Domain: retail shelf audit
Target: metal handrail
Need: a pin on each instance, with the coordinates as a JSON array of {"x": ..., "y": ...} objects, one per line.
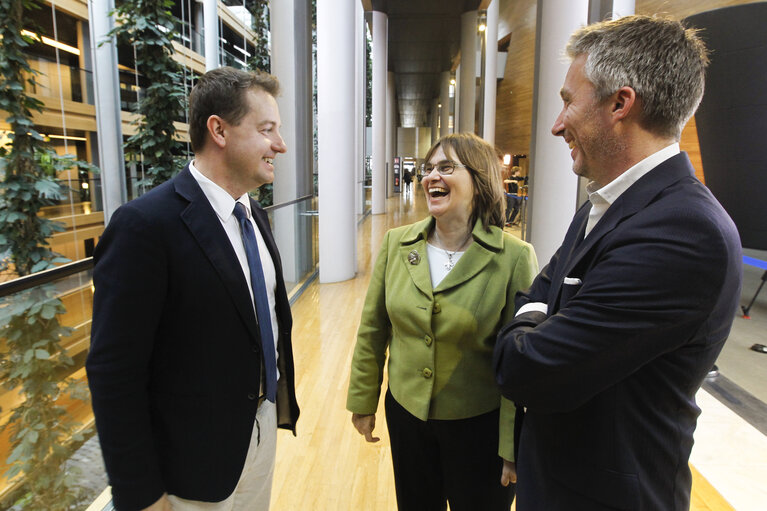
[
  {"x": 44, "y": 277},
  {"x": 288, "y": 203}
]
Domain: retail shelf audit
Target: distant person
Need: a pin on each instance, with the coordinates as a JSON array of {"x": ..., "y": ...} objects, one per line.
[
  {"x": 513, "y": 199},
  {"x": 407, "y": 178},
  {"x": 440, "y": 291},
  {"x": 617, "y": 333},
  {"x": 191, "y": 368}
]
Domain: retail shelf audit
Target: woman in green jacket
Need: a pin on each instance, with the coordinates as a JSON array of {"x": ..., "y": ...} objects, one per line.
[{"x": 440, "y": 291}]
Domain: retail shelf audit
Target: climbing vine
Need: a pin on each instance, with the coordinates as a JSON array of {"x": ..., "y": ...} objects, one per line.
[{"x": 147, "y": 26}]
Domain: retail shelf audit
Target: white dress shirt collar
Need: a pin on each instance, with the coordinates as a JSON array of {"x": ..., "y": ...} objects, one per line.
[
  {"x": 222, "y": 202},
  {"x": 602, "y": 198}
]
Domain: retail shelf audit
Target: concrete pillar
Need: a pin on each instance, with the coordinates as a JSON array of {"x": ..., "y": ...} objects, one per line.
[
  {"x": 435, "y": 114},
  {"x": 107, "y": 95},
  {"x": 210, "y": 19},
  {"x": 391, "y": 131},
  {"x": 290, "y": 25},
  {"x": 359, "y": 109},
  {"x": 336, "y": 126},
  {"x": 468, "y": 75},
  {"x": 444, "y": 99},
  {"x": 490, "y": 80},
  {"x": 553, "y": 185},
  {"x": 602, "y": 9},
  {"x": 379, "y": 80}
]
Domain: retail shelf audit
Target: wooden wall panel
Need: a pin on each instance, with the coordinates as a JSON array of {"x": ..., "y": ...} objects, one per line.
[{"x": 514, "y": 103}]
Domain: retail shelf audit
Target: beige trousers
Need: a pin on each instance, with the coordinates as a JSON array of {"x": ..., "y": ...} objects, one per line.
[{"x": 254, "y": 489}]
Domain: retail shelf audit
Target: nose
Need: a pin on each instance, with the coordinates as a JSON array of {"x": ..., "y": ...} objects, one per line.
[
  {"x": 558, "y": 129},
  {"x": 425, "y": 174},
  {"x": 278, "y": 144}
]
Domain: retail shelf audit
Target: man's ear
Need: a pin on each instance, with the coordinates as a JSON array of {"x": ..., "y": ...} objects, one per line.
[
  {"x": 216, "y": 128},
  {"x": 623, "y": 103}
]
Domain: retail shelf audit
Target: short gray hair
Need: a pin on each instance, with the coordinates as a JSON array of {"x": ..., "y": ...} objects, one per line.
[{"x": 662, "y": 60}]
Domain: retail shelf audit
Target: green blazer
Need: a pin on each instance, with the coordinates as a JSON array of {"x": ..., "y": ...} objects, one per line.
[{"x": 440, "y": 340}]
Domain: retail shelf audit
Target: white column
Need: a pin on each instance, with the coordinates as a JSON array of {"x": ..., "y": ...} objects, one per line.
[
  {"x": 444, "y": 99},
  {"x": 107, "y": 96},
  {"x": 379, "y": 80},
  {"x": 456, "y": 106},
  {"x": 553, "y": 185},
  {"x": 336, "y": 125},
  {"x": 623, "y": 8},
  {"x": 491, "y": 66},
  {"x": 210, "y": 17},
  {"x": 290, "y": 26},
  {"x": 391, "y": 132},
  {"x": 600, "y": 10},
  {"x": 468, "y": 76},
  {"x": 435, "y": 114},
  {"x": 359, "y": 102}
]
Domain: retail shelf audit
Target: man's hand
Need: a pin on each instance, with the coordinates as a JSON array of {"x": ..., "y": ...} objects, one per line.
[
  {"x": 509, "y": 473},
  {"x": 163, "y": 504},
  {"x": 365, "y": 424}
]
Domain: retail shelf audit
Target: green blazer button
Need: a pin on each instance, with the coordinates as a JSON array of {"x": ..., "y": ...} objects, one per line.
[{"x": 427, "y": 373}]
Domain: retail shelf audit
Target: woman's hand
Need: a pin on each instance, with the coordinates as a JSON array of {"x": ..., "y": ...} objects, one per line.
[
  {"x": 365, "y": 424},
  {"x": 509, "y": 473}
]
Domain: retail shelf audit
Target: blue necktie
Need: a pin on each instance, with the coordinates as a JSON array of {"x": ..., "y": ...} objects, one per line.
[{"x": 260, "y": 298}]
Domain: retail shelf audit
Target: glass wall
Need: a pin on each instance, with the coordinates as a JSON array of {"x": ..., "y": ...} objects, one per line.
[{"x": 65, "y": 295}]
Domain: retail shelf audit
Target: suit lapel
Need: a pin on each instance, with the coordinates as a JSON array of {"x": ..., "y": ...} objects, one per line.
[
  {"x": 262, "y": 221},
  {"x": 204, "y": 225},
  {"x": 637, "y": 197},
  {"x": 477, "y": 256}
]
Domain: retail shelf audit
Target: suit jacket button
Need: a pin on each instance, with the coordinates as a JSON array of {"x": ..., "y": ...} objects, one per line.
[
  {"x": 252, "y": 396},
  {"x": 427, "y": 373},
  {"x": 255, "y": 349},
  {"x": 427, "y": 340},
  {"x": 437, "y": 309}
]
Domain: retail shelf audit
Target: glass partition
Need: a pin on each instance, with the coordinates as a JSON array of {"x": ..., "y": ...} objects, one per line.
[{"x": 63, "y": 297}]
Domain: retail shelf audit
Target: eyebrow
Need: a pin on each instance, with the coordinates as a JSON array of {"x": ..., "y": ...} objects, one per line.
[{"x": 564, "y": 94}]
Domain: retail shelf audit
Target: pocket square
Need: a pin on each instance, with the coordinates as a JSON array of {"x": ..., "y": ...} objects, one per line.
[{"x": 573, "y": 281}]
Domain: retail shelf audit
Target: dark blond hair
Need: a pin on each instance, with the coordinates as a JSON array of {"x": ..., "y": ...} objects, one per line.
[
  {"x": 223, "y": 92},
  {"x": 484, "y": 167}
]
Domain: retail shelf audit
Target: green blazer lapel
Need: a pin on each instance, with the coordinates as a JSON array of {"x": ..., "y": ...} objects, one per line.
[
  {"x": 479, "y": 254},
  {"x": 412, "y": 254}
]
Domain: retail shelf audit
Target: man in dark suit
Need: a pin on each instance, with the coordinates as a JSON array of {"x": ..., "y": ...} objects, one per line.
[
  {"x": 186, "y": 404},
  {"x": 617, "y": 333}
]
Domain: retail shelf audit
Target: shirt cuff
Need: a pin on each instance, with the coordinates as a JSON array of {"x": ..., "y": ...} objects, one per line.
[{"x": 533, "y": 307}]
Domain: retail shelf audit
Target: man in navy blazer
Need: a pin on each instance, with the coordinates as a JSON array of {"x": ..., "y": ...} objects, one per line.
[
  {"x": 617, "y": 333},
  {"x": 176, "y": 360}
]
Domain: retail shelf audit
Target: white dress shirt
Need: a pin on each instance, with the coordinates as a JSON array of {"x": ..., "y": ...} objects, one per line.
[
  {"x": 223, "y": 205},
  {"x": 602, "y": 198}
]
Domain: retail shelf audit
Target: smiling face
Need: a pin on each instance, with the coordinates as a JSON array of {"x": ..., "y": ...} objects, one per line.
[
  {"x": 449, "y": 198},
  {"x": 584, "y": 124},
  {"x": 252, "y": 144}
]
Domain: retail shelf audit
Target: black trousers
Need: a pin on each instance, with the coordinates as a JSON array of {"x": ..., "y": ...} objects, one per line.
[{"x": 446, "y": 460}]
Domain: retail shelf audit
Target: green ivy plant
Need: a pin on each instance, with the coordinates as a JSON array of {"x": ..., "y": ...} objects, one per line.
[
  {"x": 147, "y": 25},
  {"x": 259, "y": 10},
  {"x": 32, "y": 360}
]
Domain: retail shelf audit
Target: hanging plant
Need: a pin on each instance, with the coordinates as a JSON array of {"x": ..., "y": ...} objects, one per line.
[
  {"x": 259, "y": 11},
  {"x": 33, "y": 361},
  {"x": 147, "y": 26}
]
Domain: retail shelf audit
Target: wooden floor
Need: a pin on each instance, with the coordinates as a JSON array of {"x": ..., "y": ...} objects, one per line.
[{"x": 328, "y": 466}]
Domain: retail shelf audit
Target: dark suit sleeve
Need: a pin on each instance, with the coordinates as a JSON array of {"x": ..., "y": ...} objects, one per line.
[
  {"x": 646, "y": 294},
  {"x": 539, "y": 290},
  {"x": 130, "y": 288}
]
